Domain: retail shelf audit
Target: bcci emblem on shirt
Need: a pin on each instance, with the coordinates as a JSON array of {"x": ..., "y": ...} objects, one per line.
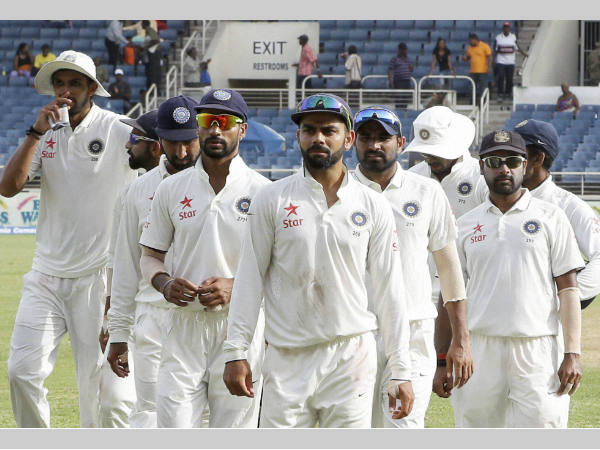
[
  {"x": 531, "y": 227},
  {"x": 411, "y": 209},
  {"x": 464, "y": 188},
  {"x": 359, "y": 218}
]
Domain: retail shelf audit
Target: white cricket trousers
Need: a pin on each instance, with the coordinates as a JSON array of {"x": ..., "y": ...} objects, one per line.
[
  {"x": 330, "y": 384},
  {"x": 423, "y": 359},
  {"x": 514, "y": 384},
  {"x": 148, "y": 331},
  {"x": 49, "y": 308},
  {"x": 190, "y": 376}
]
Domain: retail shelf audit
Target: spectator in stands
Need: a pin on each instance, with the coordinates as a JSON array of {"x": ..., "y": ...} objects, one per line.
[
  {"x": 153, "y": 53},
  {"x": 42, "y": 58},
  {"x": 567, "y": 101},
  {"x": 101, "y": 72},
  {"x": 307, "y": 62},
  {"x": 205, "y": 80},
  {"x": 480, "y": 55},
  {"x": 22, "y": 62},
  {"x": 400, "y": 71},
  {"x": 442, "y": 58},
  {"x": 113, "y": 40},
  {"x": 130, "y": 54},
  {"x": 593, "y": 64},
  {"x": 120, "y": 89},
  {"x": 191, "y": 68},
  {"x": 505, "y": 45},
  {"x": 140, "y": 36},
  {"x": 353, "y": 67}
]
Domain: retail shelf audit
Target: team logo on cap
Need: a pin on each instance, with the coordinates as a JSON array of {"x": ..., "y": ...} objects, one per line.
[
  {"x": 221, "y": 95},
  {"x": 531, "y": 227},
  {"x": 96, "y": 146},
  {"x": 359, "y": 218},
  {"x": 464, "y": 188},
  {"x": 70, "y": 58},
  {"x": 424, "y": 134},
  {"x": 501, "y": 136},
  {"x": 242, "y": 205},
  {"x": 522, "y": 124},
  {"x": 411, "y": 209},
  {"x": 181, "y": 114}
]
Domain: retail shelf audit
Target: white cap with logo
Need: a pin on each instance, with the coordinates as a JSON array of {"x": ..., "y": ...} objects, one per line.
[{"x": 67, "y": 60}]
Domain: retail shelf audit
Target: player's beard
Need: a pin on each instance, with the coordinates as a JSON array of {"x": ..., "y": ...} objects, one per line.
[
  {"x": 506, "y": 184},
  {"x": 218, "y": 153},
  {"x": 319, "y": 162},
  {"x": 142, "y": 160},
  {"x": 376, "y": 165}
]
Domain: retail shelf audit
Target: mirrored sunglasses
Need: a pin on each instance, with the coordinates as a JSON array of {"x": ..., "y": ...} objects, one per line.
[
  {"x": 495, "y": 162},
  {"x": 376, "y": 113},
  {"x": 223, "y": 121},
  {"x": 326, "y": 103},
  {"x": 134, "y": 139}
]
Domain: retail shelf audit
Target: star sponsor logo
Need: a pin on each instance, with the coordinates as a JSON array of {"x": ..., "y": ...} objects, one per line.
[
  {"x": 532, "y": 227},
  {"x": 464, "y": 188},
  {"x": 291, "y": 223},
  {"x": 478, "y": 237},
  {"x": 187, "y": 203},
  {"x": 50, "y": 143}
]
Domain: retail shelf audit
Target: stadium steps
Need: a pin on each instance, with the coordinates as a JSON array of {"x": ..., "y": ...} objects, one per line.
[{"x": 526, "y": 35}]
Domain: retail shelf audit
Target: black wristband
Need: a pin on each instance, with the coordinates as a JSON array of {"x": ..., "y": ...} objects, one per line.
[
  {"x": 34, "y": 133},
  {"x": 441, "y": 363}
]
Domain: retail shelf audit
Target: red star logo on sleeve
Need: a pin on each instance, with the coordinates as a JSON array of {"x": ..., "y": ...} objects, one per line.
[
  {"x": 51, "y": 143},
  {"x": 186, "y": 202},
  {"x": 292, "y": 209},
  {"x": 477, "y": 228}
]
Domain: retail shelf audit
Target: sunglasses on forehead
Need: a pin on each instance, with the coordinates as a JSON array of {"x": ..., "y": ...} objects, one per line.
[
  {"x": 223, "y": 121},
  {"x": 326, "y": 103},
  {"x": 376, "y": 113},
  {"x": 495, "y": 162},
  {"x": 134, "y": 139}
]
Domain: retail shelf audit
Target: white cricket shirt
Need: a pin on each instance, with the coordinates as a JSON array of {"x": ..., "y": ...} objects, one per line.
[
  {"x": 586, "y": 225},
  {"x": 204, "y": 230},
  {"x": 505, "y": 47},
  {"x": 82, "y": 174},
  {"x": 510, "y": 261},
  {"x": 128, "y": 284},
  {"x": 311, "y": 263},
  {"x": 425, "y": 223},
  {"x": 464, "y": 186}
]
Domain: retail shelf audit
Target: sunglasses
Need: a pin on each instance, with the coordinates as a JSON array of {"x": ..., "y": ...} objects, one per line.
[
  {"x": 495, "y": 162},
  {"x": 377, "y": 113},
  {"x": 223, "y": 121},
  {"x": 134, "y": 139},
  {"x": 325, "y": 103}
]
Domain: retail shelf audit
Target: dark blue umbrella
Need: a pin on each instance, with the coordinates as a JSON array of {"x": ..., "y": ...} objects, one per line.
[{"x": 262, "y": 139}]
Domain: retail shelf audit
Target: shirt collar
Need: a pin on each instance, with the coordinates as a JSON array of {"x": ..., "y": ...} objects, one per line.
[
  {"x": 89, "y": 117},
  {"x": 543, "y": 186},
  {"x": 395, "y": 182},
  {"x": 236, "y": 167},
  {"x": 521, "y": 205},
  {"x": 162, "y": 167},
  {"x": 313, "y": 184}
]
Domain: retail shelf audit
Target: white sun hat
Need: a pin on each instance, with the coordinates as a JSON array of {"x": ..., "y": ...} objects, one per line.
[
  {"x": 439, "y": 131},
  {"x": 69, "y": 60}
]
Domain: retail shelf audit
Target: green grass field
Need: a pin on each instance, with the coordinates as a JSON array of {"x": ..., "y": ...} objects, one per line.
[{"x": 17, "y": 252}]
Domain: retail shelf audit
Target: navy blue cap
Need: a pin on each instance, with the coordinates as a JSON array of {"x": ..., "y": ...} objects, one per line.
[
  {"x": 542, "y": 134},
  {"x": 226, "y": 100},
  {"x": 176, "y": 120},
  {"x": 502, "y": 140},
  {"x": 146, "y": 123}
]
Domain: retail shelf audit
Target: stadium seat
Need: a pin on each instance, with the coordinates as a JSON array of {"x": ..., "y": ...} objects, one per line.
[
  {"x": 399, "y": 35},
  {"x": 357, "y": 35},
  {"x": 390, "y": 47},
  {"x": 424, "y": 24},
  {"x": 483, "y": 25},
  {"x": 328, "y": 58},
  {"x": 60, "y": 45},
  {"x": 591, "y": 139},
  {"x": 365, "y": 24},
  {"x": 384, "y": 59},
  {"x": 546, "y": 107},
  {"x": 468, "y": 25},
  {"x": 380, "y": 35},
  {"x": 542, "y": 115},
  {"x": 327, "y": 24},
  {"x": 368, "y": 58},
  {"x": 339, "y": 70},
  {"x": 444, "y": 25},
  {"x": 387, "y": 24},
  {"x": 375, "y": 83},
  {"x": 335, "y": 83},
  {"x": 525, "y": 107},
  {"x": 461, "y": 36},
  {"x": 67, "y": 33},
  {"x": 169, "y": 34},
  {"x": 381, "y": 68},
  {"x": 418, "y": 35},
  {"x": 29, "y": 33},
  {"x": 373, "y": 47},
  {"x": 344, "y": 24},
  {"x": 405, "y": 24}
]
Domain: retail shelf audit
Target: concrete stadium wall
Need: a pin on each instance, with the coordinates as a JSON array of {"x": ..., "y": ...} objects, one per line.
[{"x": 553, "y": 56}]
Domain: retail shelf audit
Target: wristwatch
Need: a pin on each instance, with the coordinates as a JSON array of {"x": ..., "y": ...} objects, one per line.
[{"x": 34, "y": 133}]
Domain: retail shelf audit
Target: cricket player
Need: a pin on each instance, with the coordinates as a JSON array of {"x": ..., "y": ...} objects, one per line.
[
  {"x": 443, "y": 137},
  {"x": 201, "y": 214},
  {"x": 312, "y": 240},
  {"x": 425, "y": 224},
  {"x": 541, "y": 140},
  {"x": 83, "y": 168},
  {"x": 520, "y": 260},
  {"x": 137, "y": 310}
]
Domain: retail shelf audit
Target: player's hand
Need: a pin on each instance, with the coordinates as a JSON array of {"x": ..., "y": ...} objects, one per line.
[
  {"x": 180, "y": 292},
  {"x": 117, "y": 358},
  {"x": 215, "y": 291},
  {"x": 103, "y": 338},
  {"x": 401, "y": 390},
  {"x": 238, "y": 378},
  {"x": 440, "y": 383},
  {"x": 459, "y": 361},
  {"x": 569, "y": 374},
  {"x": 51, "y": 109}
]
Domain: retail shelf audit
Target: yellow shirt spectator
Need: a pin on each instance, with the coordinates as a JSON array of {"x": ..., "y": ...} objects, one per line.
[
  {"x": 41, "y": 59},
  {"x": 479, "y": 55}
]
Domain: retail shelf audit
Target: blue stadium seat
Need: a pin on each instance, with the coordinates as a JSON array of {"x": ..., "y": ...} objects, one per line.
[
  {"x": 365, "y": 24},
  {"x": 375, "y": 83},
  {"x": 335, "y": 83},
  {"x": 542, "y": 115},
  {"x": 367, "y": 58},
  {"x": 339, "y": 35},
  {"x": 324, "y": 34},
  {"x": 484, "y": 25},
  {"x": 339, "y": 70},
  {"x": 418, "y": 34},
  {"x": 63, "y": 44},
  {"x": 444, "y": 25},
  {"x": 176, "y": 24},
  {"x": 595, "y": 130},
  {"x": 266, "y": 112},
  {"x": 81, "y": 45},
  {"x": 587, "y": 115},
  {"x": 328, "y": 58},
  {"x": 390, "y": 47},
  {"x": 399, "y": 35},
  {"x": 318, "y": 83},
  {"x": 358, "y": 44},
  {"x": 169, "y": 34},
  {"x": 381, "y": 24},
  {"x": 334, "y": 45},
  {"x": 591, "y": 139},
  {"x": 373, "y": 47},
  {"x": 546, "y": 107},
  {"x": 424, "y": 24},
  {"x": 344, "y": 24},
  {"x": 563, "y": 115},
  {"x": 467, "y": 25},
  {"x": 68, "y": 33},
  {"x": 405, "y": 24},
  {"x": 380, "y": 35},
  {"x": 327, "y": 24},
  {"x": 357, "y": 35},
  {"x": 525, "y": 107},
  {"x": 18, "y": 81},
  {"x": 414, "y": 47},
  {"x": 384, "y": 59},
  {"x": 29, "y": 32},
  {"x": 98, "y": 45},
  {"x": 461, "y": 36},
  {"x": 560, "y": 125}
]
